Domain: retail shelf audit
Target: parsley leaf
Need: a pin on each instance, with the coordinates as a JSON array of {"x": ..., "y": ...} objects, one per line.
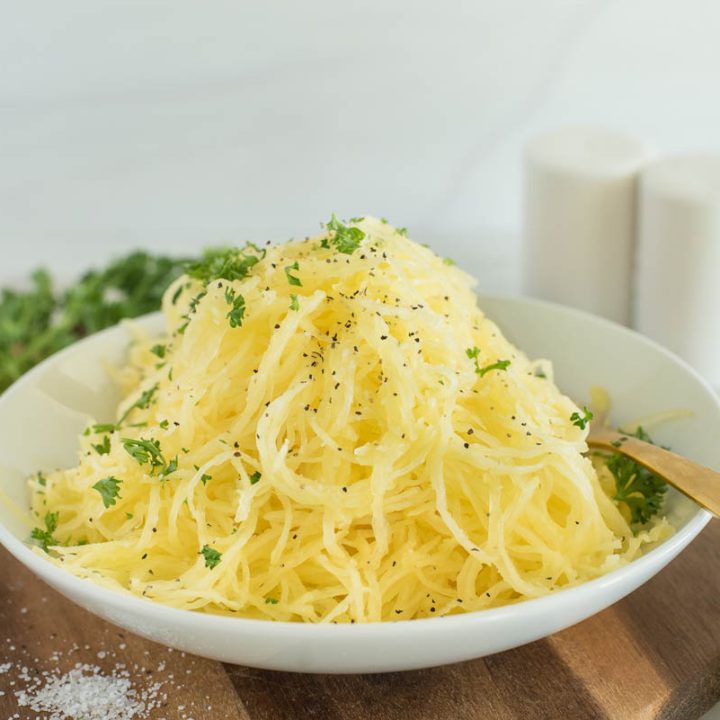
[
  {"x": 144, "y": 452},
  {"x": 171, "y": 467},
  {"x": 237, "y": 309},
  {"x": 271, "y": 601},
  {"x": 345, "y": 238},
  {"x": 225, "y": 263},
  {"x": 255, "y": 477},
  {"x": 212, "y": 556},
  {"x": 639, "y": 489},
  {"x": 102, "y": 428},
  {"x": 109, "y": 489},
  {"x": 51, "y": 521},
  {"x": 192, "y": 309},
  {"x": 45, "y": 537},
  {"x": 294, "y": 304},
  {"x": 499, "y": 365},
  {"x": 292, "y": 279},
  {"x": 104, "y": 447},
  {"x": 474, "y": 352},
  {"x": 142, "y": 403},
  {"x": 581, "y": 421},
  {"x": 159, "y": 350}
]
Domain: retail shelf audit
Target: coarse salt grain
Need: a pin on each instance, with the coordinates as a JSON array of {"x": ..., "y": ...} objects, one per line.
[{"x": 86, "y": 693}]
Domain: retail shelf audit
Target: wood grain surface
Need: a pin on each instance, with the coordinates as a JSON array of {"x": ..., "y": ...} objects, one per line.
[{"x": 655, "y": 655}]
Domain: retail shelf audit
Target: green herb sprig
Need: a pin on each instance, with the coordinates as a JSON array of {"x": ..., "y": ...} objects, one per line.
[
  {"x": 225, "y": 263},
  {"x": 109, "y": 489},
  {"x": 102, "y": 448},
  {"x": 474, "y": 352},
  {"x": 237, "y": 308},
  {"x": 640, "y": 490},
  {"x": 293, "y": 279},
  {"x": 41, "y": 320},
  {"x": 45, "y": 537},
  {"x": 211, "y": 555},
  {"x": 148, "y": 452},
  {"x": 344, "y": 238},
  {"x": 142, "y": 403},
  {"x": 583, "y": 420}
]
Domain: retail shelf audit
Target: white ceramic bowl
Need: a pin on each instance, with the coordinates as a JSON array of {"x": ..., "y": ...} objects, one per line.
[{"x": 42, "y": 415}]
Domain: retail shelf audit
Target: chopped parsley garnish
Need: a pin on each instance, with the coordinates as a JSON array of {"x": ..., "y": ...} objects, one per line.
[
  {"x": 178, "y": 292},
  {"x": 292, "y": 279},
  {"x": 144, "y": 452},
  {"x": 102, "y": 428},
  {"x": 42, "y": 480},
  {"x": 37, "y": 322},
  {"x": 103, "y": 448},
  {"x": 171, "y": 467},
  {"x": 109, "y": 489},
  {"x": 159, "y": 350},
  {"x": 45, "y": 537},
  {"x": 581, "y": 421},
  {"x": 294, "y": 304},
  {"x": 192, "y": 309},
  {"x": 255, "y": 477},
  {"x": 142, "y": 403},
  {"x": 212, "y": 556},
  {"x": 448, "y": 261},
  {"x": 402, "y": 231},
  {"x": 639, "y": 489},
  {"x": 344, "y": 238},
  {"x": 237, "y": 307},
  {"x": 473, "y": 354},
  {"x": 271, "y": 601},
  {"x": 499, "y": 365},
  {"x": 204, "y": 478},
  {"x": 226, "y": 263},
  {"x": 165, "y": 424}
]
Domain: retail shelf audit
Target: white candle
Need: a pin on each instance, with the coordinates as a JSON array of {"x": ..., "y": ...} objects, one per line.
[
  {"x": 678, "y": 264},
  {"x": 580, "y": 218}
]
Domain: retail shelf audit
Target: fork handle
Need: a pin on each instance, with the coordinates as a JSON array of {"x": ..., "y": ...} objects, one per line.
[{"x": 697, "y": 482}]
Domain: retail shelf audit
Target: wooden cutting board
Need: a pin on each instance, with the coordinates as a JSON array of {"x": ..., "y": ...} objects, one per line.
[{"x": 656, "y": 654}]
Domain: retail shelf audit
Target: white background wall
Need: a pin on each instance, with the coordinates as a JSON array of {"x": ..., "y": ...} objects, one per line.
[{"x": 173, "y": 124}]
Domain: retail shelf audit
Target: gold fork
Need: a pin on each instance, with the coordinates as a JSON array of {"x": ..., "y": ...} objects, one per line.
[{"x": 698, "y": 482}]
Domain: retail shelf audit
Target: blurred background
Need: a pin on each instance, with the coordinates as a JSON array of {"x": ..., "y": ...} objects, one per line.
[{"x": 171, "y": 125}]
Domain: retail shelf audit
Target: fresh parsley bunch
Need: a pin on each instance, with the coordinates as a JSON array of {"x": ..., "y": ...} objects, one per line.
[{"x": 41, "y": 320}]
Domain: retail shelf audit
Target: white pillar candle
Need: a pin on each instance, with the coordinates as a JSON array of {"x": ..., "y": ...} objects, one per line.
[
  {"x": 580, "y": 218},
  {"x": 678, "y": 263}
]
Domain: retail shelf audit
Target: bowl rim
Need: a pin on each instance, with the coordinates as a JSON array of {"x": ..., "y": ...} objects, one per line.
[{"x": 110, "y": 597}]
